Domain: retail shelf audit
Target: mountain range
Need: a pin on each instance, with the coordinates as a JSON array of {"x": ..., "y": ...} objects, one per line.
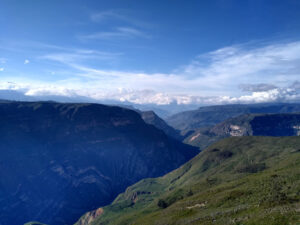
[
  {"x": 283, "y": 124},
  {"x": 189, "y": 121}
]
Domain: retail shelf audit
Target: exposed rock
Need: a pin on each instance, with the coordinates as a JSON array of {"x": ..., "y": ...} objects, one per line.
[
  {"x": 297, "y": 129},
  {"x": 237, "y": 131},
  {"x": 198, "y": 205},
  {"x": 195, "y": 136},
  {"x": 89, "y": 217}
]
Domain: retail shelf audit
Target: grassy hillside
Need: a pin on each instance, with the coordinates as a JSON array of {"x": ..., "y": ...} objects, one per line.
[{"x": 239, "y": 180}]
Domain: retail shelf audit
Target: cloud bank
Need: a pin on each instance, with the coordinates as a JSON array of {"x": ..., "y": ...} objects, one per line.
[
  {"x": 234, "y": 74},
  {"x": 286, "y": 94}
]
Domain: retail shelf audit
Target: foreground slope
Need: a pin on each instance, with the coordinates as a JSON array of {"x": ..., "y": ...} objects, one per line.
[
  {"x": 239, "y": 180},
  {"x": 211, "y": 115},
  {"x": 284, "y": 124},
  {"x": 58, "y": 161}
]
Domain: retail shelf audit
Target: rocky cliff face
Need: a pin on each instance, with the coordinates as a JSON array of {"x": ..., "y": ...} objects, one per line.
[
  {"x": 90, "y": 217},
  {"x": 58, "y": 161}
]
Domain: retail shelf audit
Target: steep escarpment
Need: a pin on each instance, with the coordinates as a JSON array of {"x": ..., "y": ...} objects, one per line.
[{"x": 58, "y": 161}]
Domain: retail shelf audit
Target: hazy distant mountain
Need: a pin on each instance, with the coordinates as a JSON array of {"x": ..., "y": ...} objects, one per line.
[
  {"x": 211, "y": 115},
  {"x": 165, "y": 111},
  {"x": 58, "y": 161}
]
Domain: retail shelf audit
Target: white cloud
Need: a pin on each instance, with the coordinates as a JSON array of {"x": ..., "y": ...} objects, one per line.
[
  {"x": 118, "y": 15},
  {"x": 68, "y": 57},
  {"x": 32, "y": 88},
  {"x": 26, "y": 61},
  {"x": 148, "y": 96},
  {"x": 267, "y": 74},
  {"x": 242, "y": 64},
  {"x": 119, "y": 32},
  {"x": 105, "y": 15},
  {"x": 50, "y": 91},
  {"x": 1, "y": 69}
]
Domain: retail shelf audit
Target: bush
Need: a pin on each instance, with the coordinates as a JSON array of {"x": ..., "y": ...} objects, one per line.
[
  {"x": 174, "y": 197},
  {"x": 162, "y": 204}
]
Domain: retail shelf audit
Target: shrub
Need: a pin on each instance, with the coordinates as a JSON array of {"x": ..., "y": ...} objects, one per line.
[{"x": 162, "y": 204}]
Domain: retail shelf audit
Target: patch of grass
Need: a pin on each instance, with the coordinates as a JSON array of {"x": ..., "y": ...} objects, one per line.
[{"x": 251, "y": 168}]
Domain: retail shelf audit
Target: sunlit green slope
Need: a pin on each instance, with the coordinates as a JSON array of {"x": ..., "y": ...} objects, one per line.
[{"x": 239, "y": 180}]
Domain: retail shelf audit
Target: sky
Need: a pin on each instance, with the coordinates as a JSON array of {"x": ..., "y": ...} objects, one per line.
[{"x": 152, "y": 52}]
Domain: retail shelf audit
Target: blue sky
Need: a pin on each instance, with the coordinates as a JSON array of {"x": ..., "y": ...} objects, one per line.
[{"x": 189, "y": 52}]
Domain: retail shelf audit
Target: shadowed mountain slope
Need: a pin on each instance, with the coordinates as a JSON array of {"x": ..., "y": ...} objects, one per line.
[{"x": 58, "y": 161}]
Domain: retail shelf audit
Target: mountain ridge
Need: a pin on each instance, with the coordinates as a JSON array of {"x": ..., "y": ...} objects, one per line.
[
  {"x": 272, "y": 124},
  {"x": 211, "y": 115}
]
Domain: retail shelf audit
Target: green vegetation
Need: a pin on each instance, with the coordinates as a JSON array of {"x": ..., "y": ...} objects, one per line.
[{"x": 239, "y": 180}]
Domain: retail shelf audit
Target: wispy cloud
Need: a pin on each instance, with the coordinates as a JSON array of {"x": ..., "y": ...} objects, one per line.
[
  {"x": 119, "y": 32},
  {"x": 228, "y": 67},
  {"x": 1, "y": 69},
  {"x": 26, "y": 61},
  {"x": 79, "y": 56},
  {"x": 118, "y": 15},
  {"x": 106, "y": 15}
]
